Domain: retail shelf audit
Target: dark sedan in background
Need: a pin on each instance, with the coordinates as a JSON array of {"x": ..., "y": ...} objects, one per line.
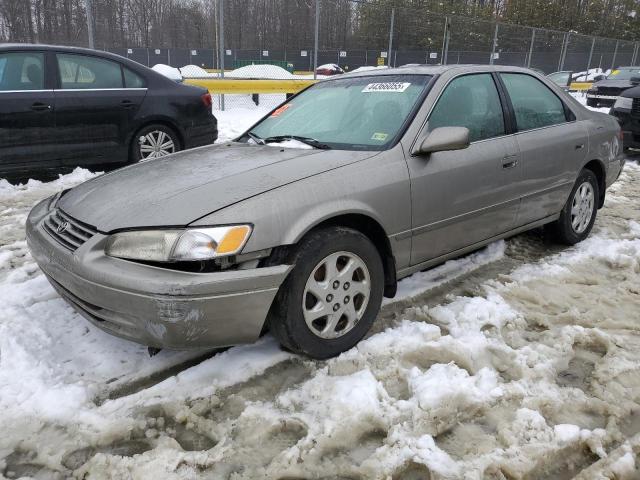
[
  {"x": 627, "y": 111},
  {"x": 604, "y": 93},
  {"x": 63, "y": 107}
]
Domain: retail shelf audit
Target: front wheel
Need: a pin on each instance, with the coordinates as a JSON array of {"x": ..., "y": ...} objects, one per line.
[
  {"x": 332, "y": 296},
  {"x": 579, "y": 213},
  {"x": 154, "y": 141}
]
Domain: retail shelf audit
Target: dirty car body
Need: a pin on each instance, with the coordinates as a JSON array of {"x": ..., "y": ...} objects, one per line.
[{"x": 504, "y": 169}]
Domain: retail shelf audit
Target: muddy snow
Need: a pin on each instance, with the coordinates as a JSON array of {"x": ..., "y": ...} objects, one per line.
[{"x": 519, "y": 361}]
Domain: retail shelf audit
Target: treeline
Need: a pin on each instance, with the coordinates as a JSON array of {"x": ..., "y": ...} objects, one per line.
[{"x": 289, "y": 24}]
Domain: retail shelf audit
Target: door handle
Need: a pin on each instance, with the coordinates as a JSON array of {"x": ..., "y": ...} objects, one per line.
[
  {"x": 39, "y": 106},
  {"x": 126, "y": 103},
  {"x": 509, "y": 161},
  {"x": 580, "y": 146}
]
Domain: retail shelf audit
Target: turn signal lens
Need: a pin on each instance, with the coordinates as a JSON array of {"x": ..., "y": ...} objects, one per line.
[{"x": 233, "y": 240}]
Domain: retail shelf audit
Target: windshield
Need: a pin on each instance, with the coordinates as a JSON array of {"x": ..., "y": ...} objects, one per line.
[
  {"x": 361, "y": 113},
  {"x": 624, "y": 74}
]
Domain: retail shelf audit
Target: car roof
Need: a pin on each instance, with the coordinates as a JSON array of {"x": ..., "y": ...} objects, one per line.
[
  {"x": 435, "y": 70},
  {"x": 57, "y": 48}
]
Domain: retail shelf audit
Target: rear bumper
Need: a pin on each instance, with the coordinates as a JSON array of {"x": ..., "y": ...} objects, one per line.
[
  {"x": 155, "y": 306},
  {"x": 201, "y": 134},
  {"x": 630, "y": 126}
]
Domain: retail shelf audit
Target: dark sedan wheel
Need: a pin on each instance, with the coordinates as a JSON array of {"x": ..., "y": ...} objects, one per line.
[
  {"x": 332, "y": 296},
  {"x": 154, "y": 141},
  {"x": 579, "y": 213}
]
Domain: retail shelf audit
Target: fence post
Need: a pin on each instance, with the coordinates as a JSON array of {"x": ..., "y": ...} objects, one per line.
[
  {"x": 315, "y": 45},
  {"x": 533, "y": 39},
  {"x": 445, "y": 42},
  {"x": 89, "y": 9},
  {"x": 615, "y": 54},
  {"x": 221, "y": 47},
  {"x": 593, "y": 44},
  {"x": 560, "y": 62},
  {"x": 495, "y": 43},
  {"x": 393, "y": 17},
  {"x": 635, "y": 53}
]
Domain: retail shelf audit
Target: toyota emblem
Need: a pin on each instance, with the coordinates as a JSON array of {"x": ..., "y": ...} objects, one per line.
[{"x": 62, "y": 227}]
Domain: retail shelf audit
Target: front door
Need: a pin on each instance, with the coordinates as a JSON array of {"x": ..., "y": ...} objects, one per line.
[
  {"x": 27, "y": 133},
  {"x": 460, "y": 198},
  {"x": 93, "y": 110}
]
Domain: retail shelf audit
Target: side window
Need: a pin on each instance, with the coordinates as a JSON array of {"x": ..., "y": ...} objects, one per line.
[
  {"x": 534, "y": 104},
  {"x": 470, "y": 101},
  {"x": 85, "y": 72},
  {"x": 21, "y": 71},
  {"x": 131, "y": 79}
]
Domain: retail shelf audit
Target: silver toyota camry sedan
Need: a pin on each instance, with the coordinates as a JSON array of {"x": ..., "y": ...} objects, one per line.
[{"x": 301, "y": 225}]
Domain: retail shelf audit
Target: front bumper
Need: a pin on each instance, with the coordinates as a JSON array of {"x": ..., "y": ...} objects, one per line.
[
  {"x": 155, "y": 306},
  {"x": 630, "y": 126}
]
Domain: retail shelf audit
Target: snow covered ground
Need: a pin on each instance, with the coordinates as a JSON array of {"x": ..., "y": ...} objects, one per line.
[{"x": 519, "y": 361}]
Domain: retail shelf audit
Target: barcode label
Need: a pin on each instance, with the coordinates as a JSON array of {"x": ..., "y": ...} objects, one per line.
[{"x": 386, "y": 87}]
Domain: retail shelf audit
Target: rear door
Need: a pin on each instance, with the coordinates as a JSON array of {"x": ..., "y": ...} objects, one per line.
[
  {"x": 463, "y": 197},
  {"x": 27, "y": 133},
  {"x": 94, "y": 109},
  {"x": 552, "y": 145}
]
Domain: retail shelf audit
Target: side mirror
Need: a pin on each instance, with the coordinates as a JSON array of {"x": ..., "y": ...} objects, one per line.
[
  {"x": 635, "y": 81},
  {"x": 597, "y": 78},
  {"x": 444, "y": 139}
]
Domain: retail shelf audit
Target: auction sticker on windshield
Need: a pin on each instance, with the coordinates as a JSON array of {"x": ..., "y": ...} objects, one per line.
[{"x": 386, "y": 87}]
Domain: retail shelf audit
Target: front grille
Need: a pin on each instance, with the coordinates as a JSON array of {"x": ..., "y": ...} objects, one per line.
[
  {"x": 609, "y": 91},
  {"x": 635, "y": 107},
  {"x": 67, "y": 231}
]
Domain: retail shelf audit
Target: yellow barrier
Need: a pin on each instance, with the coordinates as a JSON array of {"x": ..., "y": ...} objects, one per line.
[
  {"x": 580, "y": 86},
  {"x": 241, "y": 86}
]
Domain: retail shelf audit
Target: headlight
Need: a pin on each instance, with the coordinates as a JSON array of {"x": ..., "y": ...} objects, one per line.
[
  {"x": 623, "y": 102},
  {"x": 178, "y": 245}
]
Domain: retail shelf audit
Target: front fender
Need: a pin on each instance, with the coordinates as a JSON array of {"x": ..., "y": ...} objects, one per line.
[{"x": 377, "y": 187}]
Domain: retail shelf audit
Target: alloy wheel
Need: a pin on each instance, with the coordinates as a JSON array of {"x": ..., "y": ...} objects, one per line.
[
  {"x": 336, "y": 295},
  {"x": 155, "y": 144},
  {"x": 582, "y": 207}
]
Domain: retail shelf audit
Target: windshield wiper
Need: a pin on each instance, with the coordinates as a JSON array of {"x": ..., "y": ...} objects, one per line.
[
  {"x": 309, "y": 141},
  {"x": 255, "y": 138}
]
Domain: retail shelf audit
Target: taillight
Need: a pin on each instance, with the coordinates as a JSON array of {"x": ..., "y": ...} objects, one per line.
[
  {"x": 206, "y": 99},
  {"x": 620, "y": 135}
]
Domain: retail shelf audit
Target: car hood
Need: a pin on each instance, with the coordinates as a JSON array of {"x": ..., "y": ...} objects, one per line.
[
  {"x": 181, "y": 188},
  {"x": 621, "y": 84}
]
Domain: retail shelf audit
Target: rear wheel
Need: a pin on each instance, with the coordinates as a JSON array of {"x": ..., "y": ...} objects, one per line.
[
  {"x": 154, "y": 141},
  {"x": 332, "y": 296},
  {"x": 579, "y": 213}
]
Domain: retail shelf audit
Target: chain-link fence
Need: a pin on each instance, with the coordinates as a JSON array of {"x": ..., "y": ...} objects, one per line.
[{"x": 282, "y": 39}]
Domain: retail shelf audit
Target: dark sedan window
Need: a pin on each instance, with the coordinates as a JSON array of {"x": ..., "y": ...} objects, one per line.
[
  {"x": 535, "y": 105},
  {"x": 470, "y": 101},
  {"x": 131, "y": 79},
  {"x": 85, "y": 72},
  {"x": 21, "y": 71}
]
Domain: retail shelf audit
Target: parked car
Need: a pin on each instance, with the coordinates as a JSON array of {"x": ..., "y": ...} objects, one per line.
[
  {"x": 603, "y": 93},
  {"x": 627, "y": 111},
  {"x": 401, "y": 169},
  {"x": 63, "y": 107},
  {"x": 562, "y": 79},
  {"x": 329, "y": 69}
]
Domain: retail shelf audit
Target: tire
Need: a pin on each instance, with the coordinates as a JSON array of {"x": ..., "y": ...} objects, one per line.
[
  {"x": 579, "y": 213},
  {"x": 142, "y": 150},
  {"x": 592, "y": 102},
  {"x": 349, "y": 313}
]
